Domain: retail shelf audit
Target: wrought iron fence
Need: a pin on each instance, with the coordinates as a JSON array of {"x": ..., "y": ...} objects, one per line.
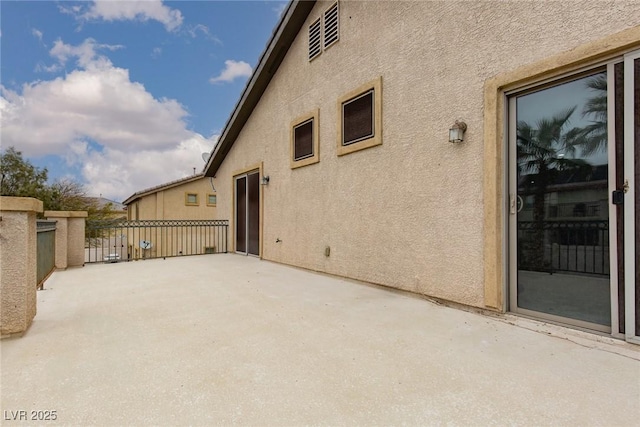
[
  {"x": 571, "y": 246},
  {"x": 46, "y": 250},
  {"x": 119, "y": 240}
]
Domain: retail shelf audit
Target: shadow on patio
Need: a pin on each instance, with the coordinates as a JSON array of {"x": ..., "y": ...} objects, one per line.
[{"x": 226, "y": 339}]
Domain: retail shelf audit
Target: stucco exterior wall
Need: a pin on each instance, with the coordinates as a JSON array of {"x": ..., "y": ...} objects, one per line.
[
  {"x": 62, "y": 250},
  {"x": 409, "y": 213},
  {"x": 70, "y": 236},
  {"x": 170, "y": 203},
  {"x": 147, "y": 207},
  {"x": 76, "y": 240},
  {"x": 18, "y": 263}
]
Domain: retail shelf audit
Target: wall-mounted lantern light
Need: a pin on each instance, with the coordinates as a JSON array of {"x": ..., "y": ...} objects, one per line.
[
  {"x": 265, "y": 180},
  {"x": 456, "y": 132}
]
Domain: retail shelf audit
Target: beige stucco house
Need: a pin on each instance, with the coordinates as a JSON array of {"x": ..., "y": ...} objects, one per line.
[
  {"x": 170, "y": 220},
  {"x": 396, "y": 142},
  {"x": 192, "y": 197}
]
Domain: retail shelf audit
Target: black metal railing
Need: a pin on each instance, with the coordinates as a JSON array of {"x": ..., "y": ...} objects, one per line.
[
  {"x": 577, "y": 210},
  {"x": 571, "y": 246},
  {"x": 46, "y": 250},
  {"x": 114, "y": 241}
]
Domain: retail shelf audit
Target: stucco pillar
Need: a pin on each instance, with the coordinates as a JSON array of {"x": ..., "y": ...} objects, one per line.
[
  {"x": 69, "y": 237},
  {"x": 18, "y": 263}
]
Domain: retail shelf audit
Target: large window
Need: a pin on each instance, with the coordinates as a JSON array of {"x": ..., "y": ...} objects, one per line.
[
  {"x": 360, "y": 113},
  {"x": 304, "y": 140},
  {"x": 358, "y": 118}
]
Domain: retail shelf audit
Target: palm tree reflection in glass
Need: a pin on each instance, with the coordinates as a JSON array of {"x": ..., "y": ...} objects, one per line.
[{"x": 550, "y": 148}]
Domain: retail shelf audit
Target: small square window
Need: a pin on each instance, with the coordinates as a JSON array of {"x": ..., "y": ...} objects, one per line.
[
  {"x": 191, "y": 199},
  {"x": 358, "y": 118},
  {"x": 304, "y": 140},
  {"x": 211, "y": 200},
  {"x": 360, "y": 114}
]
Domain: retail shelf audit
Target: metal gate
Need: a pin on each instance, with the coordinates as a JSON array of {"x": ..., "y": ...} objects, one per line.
[
  {"x": 115, "y": 241},
  {"x": 46, "y": 250}
]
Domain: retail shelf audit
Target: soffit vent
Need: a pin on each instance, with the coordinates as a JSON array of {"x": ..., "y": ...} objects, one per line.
[
  {"x": 331, "y": 21},
  {"x": 315, "y": 46}
]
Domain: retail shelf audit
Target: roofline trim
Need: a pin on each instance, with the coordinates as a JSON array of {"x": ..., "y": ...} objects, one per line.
[
  {"x": 292, "y": 19},
  {"x": 160, "y": 187}
]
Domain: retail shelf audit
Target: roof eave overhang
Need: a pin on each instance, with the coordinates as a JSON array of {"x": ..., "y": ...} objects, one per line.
[
  {"x": 282, "y": 38},
  {"x": 162, "y": 187}
]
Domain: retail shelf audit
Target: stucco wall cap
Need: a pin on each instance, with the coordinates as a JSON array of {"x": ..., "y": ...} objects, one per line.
[
  {"x": 25, "y": 204},
  {"x": 66, "y": 214}
]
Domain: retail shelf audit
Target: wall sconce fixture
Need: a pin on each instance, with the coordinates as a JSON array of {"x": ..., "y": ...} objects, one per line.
[
  {"x": 265, "y": 180},
  {"x": 456, "y": 132}
]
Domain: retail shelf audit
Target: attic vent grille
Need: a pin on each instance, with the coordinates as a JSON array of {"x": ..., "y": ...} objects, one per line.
[
  {"x": 331, "y": 33},
  {"x": 315, "y": 45}
]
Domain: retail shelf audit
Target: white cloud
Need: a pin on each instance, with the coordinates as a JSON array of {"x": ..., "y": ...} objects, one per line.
[
  {"x": 117, "y": 175},
  {"x": 193, "y": 31},
  {"x": 232, "y": 70},
  {"x": 40, "y": 67},
  {"x": 142, "y": 141},
  {"x": 70, "y": 10},
  {"x": 86, "y": 53},
  {"x": 140, "y": 10},
  {"x": 37, "y": 33},
  {"x": 156, "y": 52},
  {"x": 204, "y": 30}
]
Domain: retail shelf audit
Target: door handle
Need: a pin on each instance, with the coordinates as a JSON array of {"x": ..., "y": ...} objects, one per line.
[
  {"x": 514, "y": 200},
  {"x": 617, "y": 197}
]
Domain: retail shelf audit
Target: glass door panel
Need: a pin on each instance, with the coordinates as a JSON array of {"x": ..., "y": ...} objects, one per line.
[
  {"x": 618, "y": 137},
  {"x": 253, "y": 213},
  {"x": 559, "y": 172},
  {"x": 631, "y": 192},
  {"x": 636, "y": 185},
  {"x": 247, "y": 213},
  {"x": 241, "y": 214}
]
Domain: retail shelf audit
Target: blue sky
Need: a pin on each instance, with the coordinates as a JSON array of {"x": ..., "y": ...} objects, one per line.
[{"x": 124, "y": 95}]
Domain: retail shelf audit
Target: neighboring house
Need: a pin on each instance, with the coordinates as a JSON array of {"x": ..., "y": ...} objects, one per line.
[
  {"x": 575, "y": 221},
  {"x": 119, "y": 210},
  {"x": 186, "y": 202},
  {"x": 192, "y": 197},
  {"x": 337, "y": 157}
]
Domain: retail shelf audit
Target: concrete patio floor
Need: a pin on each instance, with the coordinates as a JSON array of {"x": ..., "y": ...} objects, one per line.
[{"x": 226, "y": 339}]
